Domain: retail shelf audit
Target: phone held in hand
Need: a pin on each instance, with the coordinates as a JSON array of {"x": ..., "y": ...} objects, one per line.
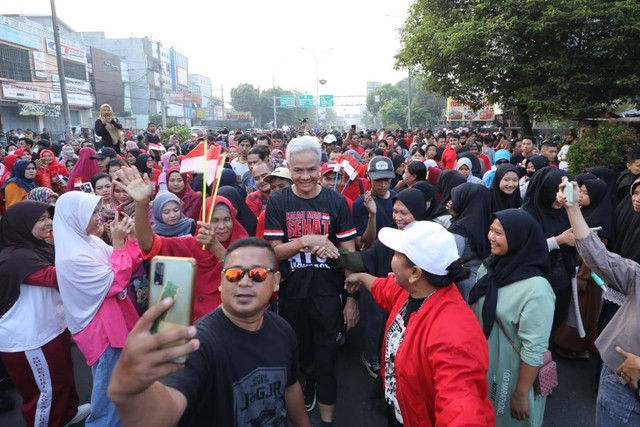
[
  {"x": 568, "y": 191},
  {"x": 173, "y": 277}
]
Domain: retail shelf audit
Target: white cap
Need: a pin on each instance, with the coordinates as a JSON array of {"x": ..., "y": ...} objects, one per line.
[
  {"x": 427, "y": 244},
  {"x": 330, "y": 139}
]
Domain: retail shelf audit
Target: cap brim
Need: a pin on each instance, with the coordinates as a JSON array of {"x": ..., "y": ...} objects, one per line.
[
  {"x": 392, "y": 238},
  {"x": 381, "y": 175},
  {"x": 96, "y": 157}
]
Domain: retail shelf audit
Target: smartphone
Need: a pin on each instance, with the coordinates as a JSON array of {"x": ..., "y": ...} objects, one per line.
[
  {"x": 119, "y": 212},
  {"x": 86, "y": 187},
  {"x": 173, "y": 277},
  {"x": 568, "y": 191},
  {"x": 353, "y": 127}
]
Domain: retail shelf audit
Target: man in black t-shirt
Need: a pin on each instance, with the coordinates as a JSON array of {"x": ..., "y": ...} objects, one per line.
[
  {"x": 304, "y": 224},
  {"x": 243, "y": 361}
]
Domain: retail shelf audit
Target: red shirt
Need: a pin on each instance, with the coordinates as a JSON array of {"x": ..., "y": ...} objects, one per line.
[
  {"x": 257, "y": 202},
  {"x": 442, "y": 362},
  {"x": 449, "y": 158}
]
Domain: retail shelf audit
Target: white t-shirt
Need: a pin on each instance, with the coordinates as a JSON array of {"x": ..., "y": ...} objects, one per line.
[
  {"x": 239, "y": 168},
  {"x": 36, "y": 318}
]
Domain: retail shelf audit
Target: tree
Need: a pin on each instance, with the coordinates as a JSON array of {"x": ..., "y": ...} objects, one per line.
[
  {"x": 393, "y": 111},
  {"x": 386, "y": 92},
  {"x": 245, "y": 97},
  {"x": 543, "y": 59}
]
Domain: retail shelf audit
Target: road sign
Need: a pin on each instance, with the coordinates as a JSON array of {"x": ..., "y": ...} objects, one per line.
[
  {"x": 305, "y": 100},
  {"x": 326, "y": 100},
  {"x": 287, "y": 101}
]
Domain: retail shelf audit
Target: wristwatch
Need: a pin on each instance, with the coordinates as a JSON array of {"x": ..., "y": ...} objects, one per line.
[{"x": 354, "y": 295}]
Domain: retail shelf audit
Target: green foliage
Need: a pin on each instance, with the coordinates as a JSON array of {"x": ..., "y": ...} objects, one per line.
[
  {"x": 606, "y": 145},
  {"x": 245, "y": 97},
  {"x": 393, "y": 111},
  {"x": 566, "y": 57},
  {"x": 182, "y": 132}
]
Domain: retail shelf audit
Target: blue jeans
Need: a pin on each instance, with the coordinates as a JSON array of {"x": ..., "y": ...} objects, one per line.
[
  {"x": 617, "y": 404},
  {"x": 103, "y": 411}
]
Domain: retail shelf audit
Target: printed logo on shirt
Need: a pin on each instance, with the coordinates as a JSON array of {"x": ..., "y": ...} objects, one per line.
[
  {"x": 395, "y": 335},
  {"x": 259, "y": 398},
  {"x": 302, "y": 223}
]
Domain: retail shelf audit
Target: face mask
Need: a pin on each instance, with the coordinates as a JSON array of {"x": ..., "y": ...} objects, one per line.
[
  {"x": 12, "y": 151},
  {"x": 530, "y": 173},
  {"x": 69, "y": 152}
]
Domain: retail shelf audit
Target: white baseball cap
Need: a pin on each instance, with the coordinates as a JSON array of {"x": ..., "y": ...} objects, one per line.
[
  {"x": 330, "y": 139},
  {"x": 427, "y": 244}
]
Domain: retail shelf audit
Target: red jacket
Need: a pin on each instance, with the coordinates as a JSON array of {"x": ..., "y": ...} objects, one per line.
[
  {"x": 449, "y": 158},
  {"x": 441, "y": 364}
]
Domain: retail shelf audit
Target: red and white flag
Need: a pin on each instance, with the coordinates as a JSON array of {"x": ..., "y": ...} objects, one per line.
[
  {"x": 351, "y": 167},
  {"x": 195, "y": 162}
]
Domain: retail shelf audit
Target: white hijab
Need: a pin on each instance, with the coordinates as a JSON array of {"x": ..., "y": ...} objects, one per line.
[{"x": 83, "y": 263}]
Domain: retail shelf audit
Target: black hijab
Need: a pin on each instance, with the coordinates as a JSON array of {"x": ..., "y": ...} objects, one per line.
[
  {"x": 429, "y": 192},
  {"x": 599, "y": 212},
  {"x": 527, "y": 256},
  {"x": 582, "y": 177},
  {"x": 538, "y": 162},
  {"x": 541, "y": 194},
  {"x": 608, "y": 176},
  {"x": 397, "y": 160},
  {"x": 472, "y": 203},
  {"x": 628, "y": 227},
  {"x": 134, "y": 152},
  {"x": 413, "y": 199},
  {"x": 244, "y": 214},
  {"x": 499, "y": 199},
  {"x": 21, "y": 254},
  {"x": 141, "y": 165},
  {"x": 447, "y": 181}
]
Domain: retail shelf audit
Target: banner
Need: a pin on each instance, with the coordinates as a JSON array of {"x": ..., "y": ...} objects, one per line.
[
  {"x": 32, "y": 109},
  {"x": 73, "y": 85},
  {"x": 238, "y": 115},
  {"x": 20, "y": 91},
  {"x": 75, "y": 99},
  {"x": 68, "y": 52},
  {"x": 39, "y": 65},
  {"x": 462, "y": 112},
  {"x": 184, "y": 97}
]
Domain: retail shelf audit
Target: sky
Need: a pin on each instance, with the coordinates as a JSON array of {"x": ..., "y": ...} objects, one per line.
[{"x": 255, "y": 41}]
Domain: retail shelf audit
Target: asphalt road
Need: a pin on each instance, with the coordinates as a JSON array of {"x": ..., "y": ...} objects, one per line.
[{"x": 359, "y": 397}]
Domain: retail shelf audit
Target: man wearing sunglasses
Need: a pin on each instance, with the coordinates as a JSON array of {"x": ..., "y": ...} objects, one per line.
[{"x": 243, "y": 360}]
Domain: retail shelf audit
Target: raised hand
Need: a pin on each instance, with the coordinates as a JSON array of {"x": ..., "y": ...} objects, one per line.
[{"x": 138, "y": 187}]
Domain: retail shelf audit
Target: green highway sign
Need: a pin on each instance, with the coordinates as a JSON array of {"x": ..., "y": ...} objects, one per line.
[
  {"x": 326, "y": 100},
  {"x": 287, "y": 101},
  {"x": 305, "y": 100}
]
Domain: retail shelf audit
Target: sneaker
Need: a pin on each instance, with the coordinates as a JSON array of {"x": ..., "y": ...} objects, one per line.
[
  {"x": 373, "y": 368},
  {"x": 83, "y": 412},
  {"x": 310, "y": 395}
]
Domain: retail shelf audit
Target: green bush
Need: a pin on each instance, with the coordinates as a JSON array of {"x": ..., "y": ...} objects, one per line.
[
  {"x": 182, "y": 132},
  {"x": 606, "y": 145}
]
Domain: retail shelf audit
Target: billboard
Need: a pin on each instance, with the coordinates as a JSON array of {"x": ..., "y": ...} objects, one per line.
[
  {"x": 185, "y": 97},
  {"x": 462, "y": 112},
  {"x": 68, "y": 52},
  {"x": 20, "y": 91}
]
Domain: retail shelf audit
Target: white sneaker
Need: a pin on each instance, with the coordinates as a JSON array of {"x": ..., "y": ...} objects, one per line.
[{"x": 83, "y": 412}]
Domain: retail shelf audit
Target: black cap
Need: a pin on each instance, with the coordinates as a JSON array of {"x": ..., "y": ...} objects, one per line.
[
  {"x": 105, "y": 152},
  {"x": 381, "y": 167}
]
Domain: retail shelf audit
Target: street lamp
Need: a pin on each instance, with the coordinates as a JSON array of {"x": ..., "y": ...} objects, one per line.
[{"x": 318, "y": 80}]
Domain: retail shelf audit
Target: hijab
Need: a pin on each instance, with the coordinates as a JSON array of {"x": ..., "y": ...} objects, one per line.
[
  {"x": 472, "y": 203},
  {"x": 85, "y": 168},
  {"x": 628, "y": 226},
  {"x": 582, "y": 177},
  {"x": 475, "y": 169},
  {"x": 9, "y": 161},
  {"x": 237, "y": 231},
  {"x": 191, "y": 200},
  {"x": 67, "y": 153},
  {"x": 181, "y": 228},
  {"x": 599, "y": 213},
  {"x": 527, "y": 256},
  {"x": 415, "y": 202},
  {"x": 83, "y": 263},
  {"x": 538, "y": 162},
  {"x": 135, "y": 152},
  {"x": 41, "y": 194},
  {"x": 466, "y": 161},
  {"x": 429, "y": 192},
  {"x": 229, "y": 179},
  {"x": 541, "y": 194},
  {"x": 20, "y": 151},
  {"x": 608, "y": 176},
  {"x": 499, "y": 199},
  {"x": 397, "y": 160},
  {"x": 447, "y": 181},
  {"x": 243, "y": 213},
  {"x": 141, "y": 165},
  {"x": 55, "y": 167},
  {"x": 166, "y": 159},
  {"x": 21, "y": 254},
  {"x": 114, "y": 132},
  {"x": 17, "y": 176}
]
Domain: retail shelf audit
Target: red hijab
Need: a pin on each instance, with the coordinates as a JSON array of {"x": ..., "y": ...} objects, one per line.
[
  {"x": 55, "y": 167},
  {"x": 191, "y": 200},
  {"x": 20, "y": 151},
  {"x": 8, "y": 161},
  {"x": 85, "y": 168}
]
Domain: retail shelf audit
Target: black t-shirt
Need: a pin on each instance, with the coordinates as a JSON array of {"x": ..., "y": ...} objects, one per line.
[
  {"x": 153, "y": 138},
  {"x": 383, "y": 213},
  {"x": 290, "y": 217},
  {"x": 238, "y": 377}
]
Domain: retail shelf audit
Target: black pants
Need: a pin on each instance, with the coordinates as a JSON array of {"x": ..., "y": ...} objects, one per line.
[{"x": 317, "y": 321}]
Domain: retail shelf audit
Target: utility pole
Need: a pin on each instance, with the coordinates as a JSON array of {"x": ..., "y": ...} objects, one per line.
[
  {"x": 409, "y": 102},
  {"x": 63, "y": 82},
  {"x": 224, "y": 116},
  {"x": 275, "y": 114},
  {"x": 163, "y": 104}
]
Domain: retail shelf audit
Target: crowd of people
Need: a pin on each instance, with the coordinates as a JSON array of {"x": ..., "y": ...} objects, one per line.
[{"x": 465, "y": 256}]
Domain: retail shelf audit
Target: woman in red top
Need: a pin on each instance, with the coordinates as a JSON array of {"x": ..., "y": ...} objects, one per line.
[
  {"x": 435, "y": 356},
  {"x": 178, "y": 184},
  {"x": 222, "y": 230},
  {"x": 50, "y": 171},
  {"x": 85, "y": 168}
]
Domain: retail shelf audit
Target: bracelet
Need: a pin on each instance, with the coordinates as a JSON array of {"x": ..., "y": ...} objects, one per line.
[{"x": 355, "y": 295}]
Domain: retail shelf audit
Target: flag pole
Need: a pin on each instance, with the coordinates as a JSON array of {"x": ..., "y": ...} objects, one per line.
[
  {"x": 204, "y": 182},
  {"x": 215, "y": 191}
]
